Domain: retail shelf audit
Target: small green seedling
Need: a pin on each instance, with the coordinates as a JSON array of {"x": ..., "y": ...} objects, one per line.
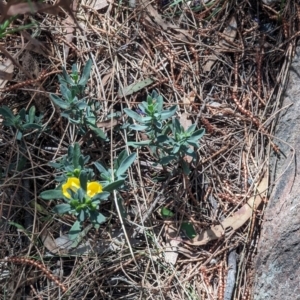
[{"x": 22, "y": 122}]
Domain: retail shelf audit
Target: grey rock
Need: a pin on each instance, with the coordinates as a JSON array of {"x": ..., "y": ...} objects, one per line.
[{"x": 278, "y": 258}]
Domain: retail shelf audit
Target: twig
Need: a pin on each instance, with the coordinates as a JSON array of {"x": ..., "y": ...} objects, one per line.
[{"x": 28, "y": 261}]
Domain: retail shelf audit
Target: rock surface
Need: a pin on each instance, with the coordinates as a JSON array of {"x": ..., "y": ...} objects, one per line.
[{"x": 278, "y": 259}]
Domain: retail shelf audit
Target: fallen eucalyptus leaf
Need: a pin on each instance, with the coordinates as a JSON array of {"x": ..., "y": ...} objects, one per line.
[
  {"x": 130, "y": 89},
  {"x": 238, "y": 219}
]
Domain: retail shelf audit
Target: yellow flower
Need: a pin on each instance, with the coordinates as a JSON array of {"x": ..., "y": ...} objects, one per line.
[
  {"x": 73, "y": 184},
  {"x": 94, "y": 188}
]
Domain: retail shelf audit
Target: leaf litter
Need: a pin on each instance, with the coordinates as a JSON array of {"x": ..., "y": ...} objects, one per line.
[{"x": 223, "y": 69}]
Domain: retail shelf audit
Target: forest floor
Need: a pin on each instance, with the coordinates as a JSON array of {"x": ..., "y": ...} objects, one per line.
[{"x": 189, "y": 234}]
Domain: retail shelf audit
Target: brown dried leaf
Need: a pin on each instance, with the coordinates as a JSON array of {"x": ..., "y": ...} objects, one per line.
[
  {"x": 230, "y": 33},
  {"x": 108, "y": 123},
  {"x": 99, "y": 4},
  {"x": 6, "y": 72},
  {"x": 153, "y": 15},
  {"x": 171, "y": 251},
  {"x": 188, "y": 100},
  {"x": 185, "y": 121},
  {"x": 31, "y": 7},
  {"x": 106, "y": 77},
  {"x": 50, "y": 243},
  {"x": 238, "y": 219},
  {"x": 14, "y": 61},
  {"x": 70, "y": 25},
  {"x": 35, "y": 45}
]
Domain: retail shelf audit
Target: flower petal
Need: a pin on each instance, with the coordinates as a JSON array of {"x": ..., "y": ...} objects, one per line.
[
  {"x": 73, "y": 184},
  {"x": 94, "y": 188}
]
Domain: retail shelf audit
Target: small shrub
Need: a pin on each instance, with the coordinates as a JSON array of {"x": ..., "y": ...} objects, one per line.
[
  {"x": 81, "y": 194},
  {"x": 169, "y": 141},
  {"x": 77, "y": 109}
]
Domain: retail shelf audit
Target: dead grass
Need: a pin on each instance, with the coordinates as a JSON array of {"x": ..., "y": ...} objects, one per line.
[{"x": 225, "y": 65}]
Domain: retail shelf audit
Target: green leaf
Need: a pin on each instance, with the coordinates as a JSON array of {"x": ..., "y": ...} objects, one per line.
[
  {"x": 83, "y": 178},
  {"x": 139, "y": 144},
  {"x": 75, "y": 155},
  {"x": 189, "y": 230},
  {"x": 132, "y": 114},
  {"x": 85, "y": 73},
  {"x": 113, "y": 186},
  {"x": 138, "y": 127},
  {"x": 59, "y": 102},
  {"x": 166, "y": 213},
  {"x": 192, "y": 142},
  {"x": 191, "y": 129},
  {"x": 125, "y": 164},
  {"x": 75, "y": 230},
  {"x": 162, "y": 138},
  {"x": 198, "y": 134},
  {"x": 97, "y": 217},
  {"x": 175, "y": 2},
  {"x": 66, "y": 93},
  {"x": 158, "y": 124},
  {"x": 83, "y": 215},
  {"x": 65, "y": 77},
  {"x": 19, "y": 135},
  {"x": 70, "y": 152},
  {"x": 81, "y": 106},
  {"x": 74, "y": 70},
  {"x": 154, "y": 94},
  {"x": 6, "y": 112},
  {"x": 134, "y": 87},
  {"x": 18, "y": 226},
  {"x": 31, "y": 114},
  {"x": 176, "y": 148},
  {"x": 176, "y": 127},
  {"x": 22, "y": 114},
  {"x": 121, "y": 157},
  {"x": 159, "y": 102},
  {"x": 55, "y": 165},
  {"x": 101, "y": 169},
  {"x": 31, "y": 126},
  {"x": 98, "y": 132},
  {"x": 62, "y": 208},
  {"x": 167, "y": 159},
  {"x": 190, "y": 152},
  {"x": 166, "y": 114},
  {"x": 85, "y": 159},
  {"x": 142, "y": 106},
  {"x": 101, "y": 196},
  {"x": 73, "y": 121},
  {"x": 9, "y": 122},
  {"x": 51, "y": 194}
]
